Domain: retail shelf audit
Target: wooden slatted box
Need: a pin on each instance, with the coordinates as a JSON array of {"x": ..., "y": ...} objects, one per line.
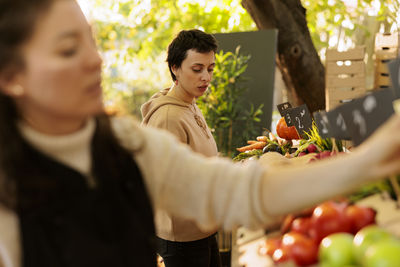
[
  {"x": 386, "y": 49},
  {"x": 345, "y": 76}
]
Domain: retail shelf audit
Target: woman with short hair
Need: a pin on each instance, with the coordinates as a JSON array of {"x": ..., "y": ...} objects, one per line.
[{"x": 191, "y": 61}]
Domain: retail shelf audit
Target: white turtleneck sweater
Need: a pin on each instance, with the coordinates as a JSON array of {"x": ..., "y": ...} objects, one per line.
[{"x": 212, "y": 191}]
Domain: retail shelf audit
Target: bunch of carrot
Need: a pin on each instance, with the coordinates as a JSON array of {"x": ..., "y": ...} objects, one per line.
[{"x": 261, "y": 142}]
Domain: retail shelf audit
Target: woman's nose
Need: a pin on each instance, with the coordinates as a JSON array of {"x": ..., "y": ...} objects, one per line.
[
  {"x": 206, "y": 76},
  {"x": 93, "y": 58}
]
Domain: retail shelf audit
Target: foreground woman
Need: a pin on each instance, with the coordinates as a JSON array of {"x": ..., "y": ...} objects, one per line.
[{"x": 78, "y": 188}]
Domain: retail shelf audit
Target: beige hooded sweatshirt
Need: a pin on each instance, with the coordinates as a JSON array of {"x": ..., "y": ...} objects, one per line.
[{"x": 187, "y": 123}]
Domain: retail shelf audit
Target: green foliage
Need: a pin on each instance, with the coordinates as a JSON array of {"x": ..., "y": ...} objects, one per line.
[
  {"x": 133, "y": 36},
  {"x": 147, "y": 27},
  {"x": 325, "y": 144},
  {"x": 223, "y": 106},
  {"x": 347, "y": 20},
  {"x": 371, "y": 189}
]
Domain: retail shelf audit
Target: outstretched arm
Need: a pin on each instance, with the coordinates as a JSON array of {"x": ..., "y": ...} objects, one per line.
[{"x": 217, "y": 192}]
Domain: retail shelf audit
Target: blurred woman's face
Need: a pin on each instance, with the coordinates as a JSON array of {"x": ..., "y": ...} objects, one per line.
[
  {"x": 195, "y": 74},
  {"x": 62, "y": 74}
]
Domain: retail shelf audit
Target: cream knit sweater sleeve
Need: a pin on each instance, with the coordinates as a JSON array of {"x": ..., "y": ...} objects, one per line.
[{"x": 213, "y": 191}]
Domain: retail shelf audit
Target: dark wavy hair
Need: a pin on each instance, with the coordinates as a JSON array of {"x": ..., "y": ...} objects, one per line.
[
  {"x": 189, "y": 39},
  {"x": 17, "y": 22}
]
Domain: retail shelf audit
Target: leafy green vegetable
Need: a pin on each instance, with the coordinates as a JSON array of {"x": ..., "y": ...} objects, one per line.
[
  {"x": 323, "y": 144},
  {"x": 248, "y": 154},
  {"x": 371, "y": 189}
]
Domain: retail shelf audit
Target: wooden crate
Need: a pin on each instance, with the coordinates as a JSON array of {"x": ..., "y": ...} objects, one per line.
[
  {"x": 345, "y": 76},
  {"x": 386, "y": 49}
]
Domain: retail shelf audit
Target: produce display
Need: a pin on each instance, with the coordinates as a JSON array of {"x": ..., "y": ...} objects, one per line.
[
  {"x": 289, "y": 144},
  {"x": 334, "y": 233},
  {"x": 370, "y": 247}
]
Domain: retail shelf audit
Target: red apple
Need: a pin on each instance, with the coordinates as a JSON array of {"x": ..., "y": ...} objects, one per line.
[
  {"x": 360, "y": 217},
  {"x": 287, "y": 223},
  {"x": 302, "y": 249},
  {"x": 301, "y": 225},
  {"x": 328, "y": 218},
  {"x": 270, "y": 245},
  {"x": 281, "y": 255}
]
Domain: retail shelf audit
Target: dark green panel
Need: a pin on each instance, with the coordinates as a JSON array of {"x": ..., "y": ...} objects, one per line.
[{"x": 261, "y": 45}]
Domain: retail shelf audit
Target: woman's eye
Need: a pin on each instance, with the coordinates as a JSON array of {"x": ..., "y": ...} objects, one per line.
[
  {"x": 211, "y": 70},
  {"x": 68, "y": 52},
  {"x": 196, "y": 70}
]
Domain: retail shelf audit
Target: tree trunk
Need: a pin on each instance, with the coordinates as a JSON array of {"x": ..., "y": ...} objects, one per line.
[{"x": 297, "y": 59}]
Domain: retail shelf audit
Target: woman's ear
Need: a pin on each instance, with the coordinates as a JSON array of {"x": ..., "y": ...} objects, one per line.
[
  {"x": 174, "y": 70},
  {"x": 9, "y": 85}
]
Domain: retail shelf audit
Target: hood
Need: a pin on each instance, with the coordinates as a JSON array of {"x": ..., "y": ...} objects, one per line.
[{"x": 158, "y": 100}]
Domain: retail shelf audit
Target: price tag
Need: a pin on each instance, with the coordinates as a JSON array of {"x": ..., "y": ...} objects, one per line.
[
  {"x": 284, "y": 111},
  {"x": 394, "y": 70},
  {"x": 301, "y": 119},
  {"x": 282, "y": 107},
  {"x": 368, "y": 113},
  {"x": 322, "y": 122}
]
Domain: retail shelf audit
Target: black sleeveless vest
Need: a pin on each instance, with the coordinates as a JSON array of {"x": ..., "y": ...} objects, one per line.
[{"x": 65, "y": 223}]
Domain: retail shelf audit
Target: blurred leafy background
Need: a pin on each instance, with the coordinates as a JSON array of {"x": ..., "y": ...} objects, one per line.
[{"x": 133, "y": 35}]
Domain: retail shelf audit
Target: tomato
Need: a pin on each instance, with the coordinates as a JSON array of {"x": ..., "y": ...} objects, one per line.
[
  {"x": 328, "y": 218},
  {"x": 270, "y": 245},
  {"x": 286, "y": 132},
  {"x": 301, "y": 225},
  {"x": 302, "y": 249},
  {"x": 360, "y": 217},
  {"x": 281, "y": 255}
]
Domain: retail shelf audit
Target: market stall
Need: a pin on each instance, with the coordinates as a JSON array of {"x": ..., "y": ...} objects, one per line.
[{"x": 359, "y": 229}]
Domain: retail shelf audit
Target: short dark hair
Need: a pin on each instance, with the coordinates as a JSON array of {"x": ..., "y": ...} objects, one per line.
[{"x": 189, "y": 39}]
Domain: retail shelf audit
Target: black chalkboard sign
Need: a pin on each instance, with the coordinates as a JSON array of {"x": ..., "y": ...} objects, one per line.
[
  {"x": 368, "y": 113},
  {"x": 339, "y": 125},
  {"x": 301, "y": 118},
  {"x": 287, "y": 115},
  {"x": 282, "y": 107},
  {"x": 394, "y": 70},
  {"x": 323, "y": 125}
]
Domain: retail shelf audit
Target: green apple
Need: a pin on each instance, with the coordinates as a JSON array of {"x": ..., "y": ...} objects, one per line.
[
  {"x": 384, "y": 253},
  {"x": 336, "y": 250},
  {"x": 366, "y": 237}
]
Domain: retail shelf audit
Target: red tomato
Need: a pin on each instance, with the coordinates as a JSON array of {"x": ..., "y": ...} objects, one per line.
[
  {"x": 328, "y": 218},
  {"x": 360, "y": 217},
  {"x": 270, "y": 245},
  {"x": 301, "y": 225},
  {"x": 302, "y": 249}
]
